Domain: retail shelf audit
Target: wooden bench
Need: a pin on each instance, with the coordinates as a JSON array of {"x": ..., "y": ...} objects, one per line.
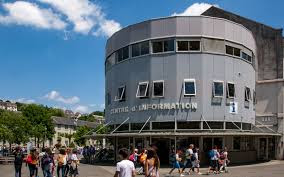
[{"x": 6, "y": 160}]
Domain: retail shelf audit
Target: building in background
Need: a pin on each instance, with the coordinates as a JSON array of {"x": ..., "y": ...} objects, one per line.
[
  {"x": 214, "y": 79},
  {"x": 63, "y": 125},
  {"x": 7, "y": 105}
]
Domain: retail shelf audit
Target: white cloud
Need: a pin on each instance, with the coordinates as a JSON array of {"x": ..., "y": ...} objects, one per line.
[
  {"x": 29, "y": 14},
  {"x": 24, "y": 100},
  {"x": 81, "y": 109},
  {"x": 85, "y": 16},
  {"x": 195, "y": 9},
  {"x": 55, "y": 96}
]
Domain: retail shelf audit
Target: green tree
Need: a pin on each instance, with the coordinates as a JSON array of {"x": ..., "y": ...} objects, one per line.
[
  {"x": 79, "y": 135},
  {"x": 14, "y": 127},
  {"x": 41, "y": 121}
]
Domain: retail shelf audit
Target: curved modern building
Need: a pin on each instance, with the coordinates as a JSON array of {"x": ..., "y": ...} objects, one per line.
[{"x": 180, "y": 80}]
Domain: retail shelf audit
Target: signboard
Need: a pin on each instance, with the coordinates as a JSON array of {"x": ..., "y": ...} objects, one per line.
[
  {"x": 161, "y": 106},
  {"x": 233, "y": 108}
]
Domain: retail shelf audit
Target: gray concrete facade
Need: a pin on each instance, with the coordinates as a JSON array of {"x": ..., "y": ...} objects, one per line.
[{"x": 205, "y": 66}]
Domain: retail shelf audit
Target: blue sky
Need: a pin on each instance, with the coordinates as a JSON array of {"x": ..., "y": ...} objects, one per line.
[{"x": 53, "y": 54}]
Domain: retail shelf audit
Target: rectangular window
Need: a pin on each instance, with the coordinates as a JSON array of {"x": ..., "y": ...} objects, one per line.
[
  {"x": 120, "y": 94},
  {"x": 122, "y": 54},
  {"x": 135, "y": 50},
  {"x": 213, "y": 125},
  {"x": 188, "y": 125},
  {"x": 237, "y": 52},
  {"x": 189, "y": 87},
  {"x": 142, "y": 90},
  {"x": 194, "y": 45},
  {"x": 246, "y": 57},
  {"x": 157, "y": 47},
  {"x": 119, "y": 55},
  {"x": 125, "y": 52},
  {"x": 169, "y": 45},
  {"x": 229, "y": 50},
  {"x": 145, "y": 48},
  {"x": 249, "y": 58},
  {"x": 182, "y": 46},
  {"x": 66, "y": 127},
  {"x": 158, "y": 88},
  {"x": 231, "y": 90},
  {"x": 247, "y": 94},
  {"x": 218, "y": 89},
  {"x": 233, "y": 126},
  {"x": 163, "y": 125}
]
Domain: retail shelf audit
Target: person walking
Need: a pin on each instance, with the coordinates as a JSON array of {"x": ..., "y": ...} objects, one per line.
[
  {"x": 61, "y": 163},
  {"x": 176, "y": 163},
  {"x": 196, "y": 161},
  {"x": 224, "y": 160},
  {"x": 32, "y": 162},
  {"x": 188, "y": 156},
  {"x": 68, "y": 165},
  {"x": 47, "y": 163},
  {"x": 74, "y": 164},
  {"x": 19, "y": 157},
  {"x": 213, "y": 164},
  {"x": 124, "y": 168},
  {"x": 152, "y": 164}
]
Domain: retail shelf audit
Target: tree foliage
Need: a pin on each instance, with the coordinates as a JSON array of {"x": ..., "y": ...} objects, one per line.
[
  {"x": 14, "y": 127},
  {"x": 79, "y": 135}
]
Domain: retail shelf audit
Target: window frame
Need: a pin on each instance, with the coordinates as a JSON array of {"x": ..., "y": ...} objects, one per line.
[
  {"x": 184, "y": 92},
  {"x": 213, "y": 85},
  {"x": 228, "y": 92},
  {"x": 152, "y": 46},
  {"x": 153, "y": 88},
  {"x": 188, "y": 45},
  {"x": 248, "y": 99},
  {"x": 121, "y": 96},
  {"x": 146, "y": 91}
]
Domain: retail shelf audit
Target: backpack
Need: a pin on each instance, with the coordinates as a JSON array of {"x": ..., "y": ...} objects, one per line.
[
  {"x": 211, "y": 153},
  {"x": 46, "y": 160},
  {"x": 18, "y": 158},
  {"x": 132, "y": 157}
]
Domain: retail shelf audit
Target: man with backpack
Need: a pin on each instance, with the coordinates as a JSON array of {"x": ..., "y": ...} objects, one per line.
[
  {"x": 19, "y": 157},
  {"x": 47, "y": 162},
  {"x": 189, "y": 158},
  {"x": 213, "y": 156}
]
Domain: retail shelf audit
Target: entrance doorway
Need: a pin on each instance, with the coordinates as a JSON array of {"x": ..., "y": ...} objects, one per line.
[
  {"x": 262, "y": 149},
  {"x": 163, "y": 145}
]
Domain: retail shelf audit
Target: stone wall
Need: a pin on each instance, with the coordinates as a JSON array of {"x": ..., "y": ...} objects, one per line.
[{"x": 268, "y": 40}]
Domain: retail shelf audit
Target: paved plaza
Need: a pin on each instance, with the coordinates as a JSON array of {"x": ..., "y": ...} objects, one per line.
[{"x": 269, "y": 169}]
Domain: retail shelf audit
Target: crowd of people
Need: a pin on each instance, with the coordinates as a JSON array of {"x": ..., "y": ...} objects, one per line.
[
  {"x": 61, "y": 162},
  {"x": 218, "y": 160},
  {"x": 147, "y": 162}
]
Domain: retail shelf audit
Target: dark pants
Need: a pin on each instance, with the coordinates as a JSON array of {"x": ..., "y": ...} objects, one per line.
[
  {"x": 62, "y": 168},
  {"x": 46, "y": 171},
  {"x": 18, "y": 170},
  {"x": 67, "y": 170},
  {"x": 188, "y": 164},
  {"x": 32, "y": 169}
]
